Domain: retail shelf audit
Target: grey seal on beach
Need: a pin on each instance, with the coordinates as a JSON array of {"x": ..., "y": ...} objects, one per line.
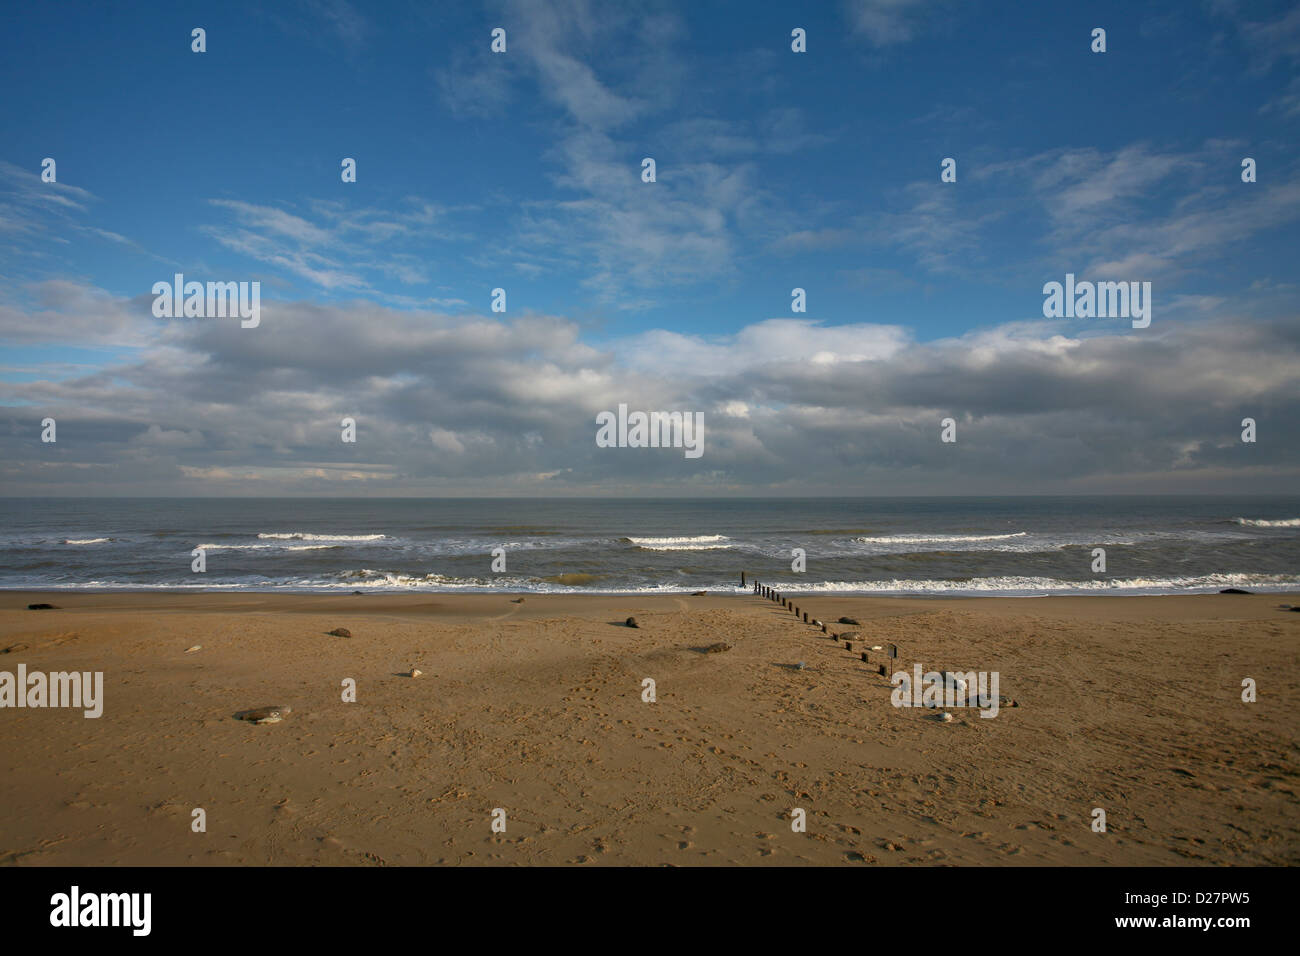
[{"x": 265, "y": 715}]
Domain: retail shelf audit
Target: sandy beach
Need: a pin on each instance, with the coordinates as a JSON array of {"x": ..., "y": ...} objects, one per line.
[{"x": 1128, "y": 704}]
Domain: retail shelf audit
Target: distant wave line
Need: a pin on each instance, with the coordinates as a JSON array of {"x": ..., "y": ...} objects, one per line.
[
  {"x": 928, "y": 538},
  {"x": 307, "y": 536}
]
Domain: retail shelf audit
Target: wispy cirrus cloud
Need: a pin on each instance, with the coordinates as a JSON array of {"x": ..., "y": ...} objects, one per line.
[
  {"x": 32, "y": 210},
  {"x": 632, "y": 242},
  {"x": 1127, "y": 211},
  {"x": 1275, "y": 40},
  {"x": 341, "y": 247},
  {"x": 888, "y": 22},
  {"x": 36, "y": 216}
]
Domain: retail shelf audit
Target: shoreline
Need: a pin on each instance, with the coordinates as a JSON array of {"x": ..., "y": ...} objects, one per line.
[
  {"x": 79, "y": 598},
  {"x": 349, "y": 591}
]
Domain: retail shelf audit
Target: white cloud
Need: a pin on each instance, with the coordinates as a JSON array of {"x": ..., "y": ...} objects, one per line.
[
  {"x": 476, "y": 404},
  {"x": 887, "y": 22}
]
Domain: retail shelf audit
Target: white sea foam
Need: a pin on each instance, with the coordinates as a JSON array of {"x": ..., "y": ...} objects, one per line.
[
  {"x": 699, "y": 542},
  {"x": 307, "y": 536},
  {"x": 1265, "y": 523},
  {"x": 369, "y": 578},
  {"x": 935, "y": 538},
  {"x": 1016, "y": 584},
  {"x": 269, "y": 547},
  {"x": 87, "y": 540},
  {"x": 684, "y": 547}
]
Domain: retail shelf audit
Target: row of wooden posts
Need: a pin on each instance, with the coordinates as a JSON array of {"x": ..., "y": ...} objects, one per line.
[{"x": 772, "y": 594}]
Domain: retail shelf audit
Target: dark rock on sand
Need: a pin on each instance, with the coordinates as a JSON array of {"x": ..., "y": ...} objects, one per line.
[
  {"x": 631, "y": 622},
  {"x": 1235, "y": 591},
  {"x": 698, "y": 593},
  {"x": 41, "y": 607},
  {"x": 517, "y": 601},
  {"x": 850, "y": 620},
  {"x": 340, "y": 632}
]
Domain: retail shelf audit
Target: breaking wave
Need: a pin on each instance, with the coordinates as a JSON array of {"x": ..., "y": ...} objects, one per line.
[
  {"x": 268, "y": 547},
  {"x": 1023, "y": 585},
  {"x": 306, "y": 536},
  {"x": 936, "y": 538},
  {"x": 699, "y": 542}
]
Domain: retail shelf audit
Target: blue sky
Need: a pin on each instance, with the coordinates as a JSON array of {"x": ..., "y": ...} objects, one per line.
[
  {"x": 521, "y": 170},
  {"x": 175, "y": 146}
]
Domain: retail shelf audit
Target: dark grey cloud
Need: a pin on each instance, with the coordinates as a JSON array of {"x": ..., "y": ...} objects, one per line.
[{"x": 471, "y": 404}]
